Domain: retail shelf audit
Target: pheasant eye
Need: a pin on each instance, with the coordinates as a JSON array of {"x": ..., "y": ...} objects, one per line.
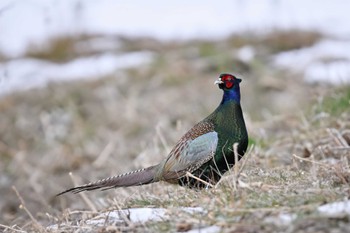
[{"x": 229, "y": 83}]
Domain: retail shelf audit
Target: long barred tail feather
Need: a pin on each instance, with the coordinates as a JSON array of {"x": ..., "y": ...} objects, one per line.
[{"x": 134, "y": 178}]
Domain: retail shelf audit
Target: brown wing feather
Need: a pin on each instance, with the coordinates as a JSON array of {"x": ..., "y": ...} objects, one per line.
[{"x": 175, "y": 157}]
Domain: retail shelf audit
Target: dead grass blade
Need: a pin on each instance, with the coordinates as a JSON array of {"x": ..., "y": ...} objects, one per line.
[
  {"x": 199, "y": 179},
  {"x": 11, "y": 228},
  {"x": 83, "y": 195},
  {"x": 23, "y": 206}
]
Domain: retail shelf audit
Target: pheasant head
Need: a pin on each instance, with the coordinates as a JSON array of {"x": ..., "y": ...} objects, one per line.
[{"x": 230, "y": 85}]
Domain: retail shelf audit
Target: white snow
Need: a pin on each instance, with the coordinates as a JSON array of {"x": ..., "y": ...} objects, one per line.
[
  {"x": 336, "y": 72},
  {"x": 325, "y": 49},
  {"x": 282, "y": 219},
  {"x": 246, "y": 53},
  {"x": 211, "y": 229},
  {"x": 335, "y": 209},
  {"x": 326, "y": 61},
  {"x": 28, "y": 73},
  {"x": 136, "y": 215}
]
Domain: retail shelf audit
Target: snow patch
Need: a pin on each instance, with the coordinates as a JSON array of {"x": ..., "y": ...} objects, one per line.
[
  {"x": 335, "y": 209},
  {"x": 28, "y": 73},
  {"x": 134, "y": 215},
  {"x": 326, "y": 61}
]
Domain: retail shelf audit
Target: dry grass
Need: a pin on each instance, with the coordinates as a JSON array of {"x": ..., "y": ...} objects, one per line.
[
  {"x": 65, "y": 48},
  {"x": 297, "y": 160},
  {"x": 290, "y": 39}
]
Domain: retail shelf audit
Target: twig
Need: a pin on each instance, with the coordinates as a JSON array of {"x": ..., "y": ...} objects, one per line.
[
  {"x": 340, "y": 148},
  {"x": 199, "y": 179},
  {"x": 230, "y": 170},
  {"x": 244, "y": 185},
  {"x": 11, "y": 228},
  {"x": 245, "y": 159},
  {"x": 312, "y": 161},
  {"x": 236, "y": 171},
  {"x": 83, "y": 195},
  {"x": 123, "y": 215},
  {"x": 23, "y": 206},
  {"x": 80, "y": 212},
  {"x": 337, "y": 137}
]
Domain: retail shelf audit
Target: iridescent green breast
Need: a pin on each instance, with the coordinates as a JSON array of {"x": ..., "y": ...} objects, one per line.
[{"x": 229, "y": 124}]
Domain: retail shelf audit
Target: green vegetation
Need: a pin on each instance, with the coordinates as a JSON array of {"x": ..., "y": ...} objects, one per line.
[{"x": 337, "y": 102}]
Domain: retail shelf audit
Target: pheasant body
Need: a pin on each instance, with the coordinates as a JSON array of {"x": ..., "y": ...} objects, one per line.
[
  {"x": 206, "y": 150},
  {"x": 228, "y": 121}
]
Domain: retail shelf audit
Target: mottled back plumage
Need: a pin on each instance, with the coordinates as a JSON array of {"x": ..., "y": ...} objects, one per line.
[{"x": 205, "y": 151}]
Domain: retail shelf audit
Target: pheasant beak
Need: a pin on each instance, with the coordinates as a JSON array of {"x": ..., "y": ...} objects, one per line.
[{"x": 219, "y": 81}]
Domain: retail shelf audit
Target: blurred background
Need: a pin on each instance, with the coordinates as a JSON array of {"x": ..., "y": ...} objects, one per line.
[
  {"x": 102, "y": 87},
  {"x": 45, "y": 36}
]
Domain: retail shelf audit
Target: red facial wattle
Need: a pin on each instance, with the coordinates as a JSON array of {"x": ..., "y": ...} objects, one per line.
[
  {"x": 228, "y": 84},
  {"x": 228, "y": 80}
]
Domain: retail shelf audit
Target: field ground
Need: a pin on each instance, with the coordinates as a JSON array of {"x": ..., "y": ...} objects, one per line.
[{"x": 298, "y": 158}]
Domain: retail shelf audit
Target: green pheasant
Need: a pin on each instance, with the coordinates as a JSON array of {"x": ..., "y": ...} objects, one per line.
[{"x": 201, "y": 156}]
